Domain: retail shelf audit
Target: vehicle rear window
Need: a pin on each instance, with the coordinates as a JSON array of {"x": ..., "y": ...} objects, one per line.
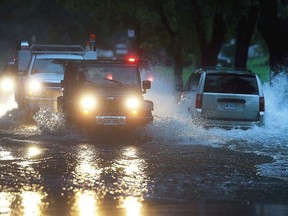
[{"x": 231, "y": 83}]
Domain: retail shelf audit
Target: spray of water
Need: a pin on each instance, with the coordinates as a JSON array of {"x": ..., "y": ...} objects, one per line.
[
  {"x": 10, "y": 116},
  {"x": 8, "y": 104},
  {"x": 171, "y": 125},
  {"x": 48, "y": 120}
]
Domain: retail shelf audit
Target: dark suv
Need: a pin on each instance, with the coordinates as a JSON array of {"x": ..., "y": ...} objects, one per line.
[{"x": 104, "y": 93}]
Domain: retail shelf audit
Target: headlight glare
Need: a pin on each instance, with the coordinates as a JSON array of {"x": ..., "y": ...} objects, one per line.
[
  {"x": 133, "y": 103},
  {"x": 88, "y": 102},
  {"x": 34, "y": 86},
  {"x": 7, "y": 84}
]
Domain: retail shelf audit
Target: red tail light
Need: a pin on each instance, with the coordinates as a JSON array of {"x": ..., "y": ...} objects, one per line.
[
  {"x": 131, "y": 59},
  {"x": 199, "y": 99},
  {"x": 261, "y": 104}
]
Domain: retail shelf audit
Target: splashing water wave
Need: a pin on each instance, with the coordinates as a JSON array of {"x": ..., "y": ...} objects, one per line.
[{"x": 171, "y": 125}]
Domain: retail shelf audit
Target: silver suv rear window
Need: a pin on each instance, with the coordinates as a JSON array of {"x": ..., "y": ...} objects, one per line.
[{"x": 231, "y": 83}]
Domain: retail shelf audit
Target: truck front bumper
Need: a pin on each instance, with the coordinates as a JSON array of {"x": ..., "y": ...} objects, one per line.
[{"x": 115, "y": 120}]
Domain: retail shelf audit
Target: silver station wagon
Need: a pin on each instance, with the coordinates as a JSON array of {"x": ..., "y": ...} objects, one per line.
[{"x": 219, "y": 97}]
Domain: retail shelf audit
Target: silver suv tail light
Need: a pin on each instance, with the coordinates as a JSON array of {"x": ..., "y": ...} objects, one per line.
[
  {"x": 261, "y": 104},
  {"x": 199, "y": 99}
]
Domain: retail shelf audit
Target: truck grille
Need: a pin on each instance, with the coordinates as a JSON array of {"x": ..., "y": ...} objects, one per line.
[{"x": 111, "y": 106}]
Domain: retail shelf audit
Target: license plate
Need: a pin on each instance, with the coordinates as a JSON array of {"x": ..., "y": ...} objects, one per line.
[
  {"x": 110, "y": 120},
  {"x": 230, "y": 106}
]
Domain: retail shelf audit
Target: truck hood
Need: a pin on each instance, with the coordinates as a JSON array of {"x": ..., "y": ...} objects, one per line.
[{"x": 48, "y": 77}]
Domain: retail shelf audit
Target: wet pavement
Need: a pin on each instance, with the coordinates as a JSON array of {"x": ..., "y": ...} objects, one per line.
[
  {"x": 130, "y": 174},
  {"x": 171, "y": 167}
]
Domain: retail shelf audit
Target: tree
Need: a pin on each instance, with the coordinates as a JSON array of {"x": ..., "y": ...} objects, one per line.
[
  {"x": 171, "y": 15},
  {"x": 211, "y": 35},
  {"x": 188, "y": 30},
  {"x": 244, "y": 31},
  {"x": 274, "y": 30}
]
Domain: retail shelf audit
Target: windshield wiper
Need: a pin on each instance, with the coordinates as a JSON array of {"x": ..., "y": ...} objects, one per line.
[{"x": 115, "y": 81}]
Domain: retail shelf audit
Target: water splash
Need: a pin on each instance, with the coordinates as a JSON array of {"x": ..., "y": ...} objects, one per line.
[
  {"x": 8, "y": 105},
  {"x": 50, "y": 121},
  {"x": 172, "y": 126}
]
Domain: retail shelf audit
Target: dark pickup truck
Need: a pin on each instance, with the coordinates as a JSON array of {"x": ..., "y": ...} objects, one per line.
[{"x": 104, "y": 93}]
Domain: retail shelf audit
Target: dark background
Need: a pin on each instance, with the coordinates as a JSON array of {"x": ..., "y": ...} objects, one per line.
[{"x": 176, "y": 33}]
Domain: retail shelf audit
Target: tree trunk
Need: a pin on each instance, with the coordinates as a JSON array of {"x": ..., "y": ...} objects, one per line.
[
  {"x": 244, "y": 31},
  {"x": 275, "y": 33},
  {"x": 210, "y": 51},
  {"x": 177, "y": 54},
  {"x": 209, "y": 47}
]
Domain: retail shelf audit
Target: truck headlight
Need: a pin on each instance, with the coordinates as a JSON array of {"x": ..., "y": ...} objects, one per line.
[
  {"x": 34, "y": 86},
  {"x": 133, "y": 103},
  {"x": 88, "y": 102},
  {"x": 7, "y": 84}
]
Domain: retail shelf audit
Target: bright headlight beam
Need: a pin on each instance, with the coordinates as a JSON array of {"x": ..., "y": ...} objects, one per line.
[
  {"x": 7, "y": 84},
  {"x": 34, "y": 85},
  {"x": 88, "y": 102},
  {"x": 133, "y": 103}
]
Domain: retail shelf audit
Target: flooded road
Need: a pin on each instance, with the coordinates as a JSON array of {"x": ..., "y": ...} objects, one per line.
[
  {"x": 73, "y": 174},
  {"x": 171, "y": 167}
]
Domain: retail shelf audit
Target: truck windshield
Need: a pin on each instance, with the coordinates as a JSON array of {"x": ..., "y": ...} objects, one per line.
[
  {"x": 49, "y": 66},
  {"x": 103, "y": 75}
]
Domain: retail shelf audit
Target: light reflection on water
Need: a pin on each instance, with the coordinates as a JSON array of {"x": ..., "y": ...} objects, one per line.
[
  {"x": 26, "y": 203},
  {"x": 92, "y": 187},
  {"x": 133, "y": 181},
  {"x": 129, "y": 183},
  {"x": 87, "y": 171},
  {"x": 5, "y": 155},
  {"x": 32, "y": 203},
  {"x": 85, "y": 203},
  {"x": 33, "y": 151},
  {"x": 86, "y": 174},
  {"x": 132, "y": 205},
  {"x": 5, "y": 202},
  {"x": 24, "y": 198}
]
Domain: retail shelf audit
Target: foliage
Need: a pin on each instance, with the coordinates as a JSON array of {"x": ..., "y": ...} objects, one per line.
[
  {"x": 260, "y": 66},
  {"x": 170, "y": 32}
]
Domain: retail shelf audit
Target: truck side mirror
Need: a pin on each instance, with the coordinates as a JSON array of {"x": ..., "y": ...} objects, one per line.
[{"x": 146, "y": 84}]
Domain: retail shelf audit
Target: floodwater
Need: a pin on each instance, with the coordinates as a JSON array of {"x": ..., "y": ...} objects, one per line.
[{"x": 171, "y": 167}]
